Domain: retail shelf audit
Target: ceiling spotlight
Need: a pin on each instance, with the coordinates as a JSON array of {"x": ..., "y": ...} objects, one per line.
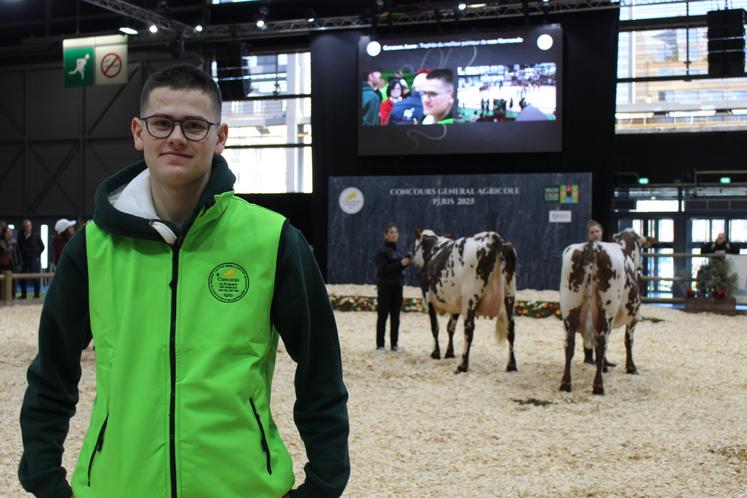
[
  {"x": 128, "y": 30},
  {"x": 198, "y": 28},
  {"x": 310, "y": 15},
  {"x": 260, "y": 23},
  {"x": 462, "y": 6},
  {"x": 153, "y": 29}
]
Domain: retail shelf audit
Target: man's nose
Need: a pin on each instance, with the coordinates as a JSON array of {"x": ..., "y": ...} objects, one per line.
[{"x": 175, "y": 136}]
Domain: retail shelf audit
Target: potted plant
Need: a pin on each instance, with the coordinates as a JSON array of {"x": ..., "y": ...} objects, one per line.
[{"x": 715, "y": 285}]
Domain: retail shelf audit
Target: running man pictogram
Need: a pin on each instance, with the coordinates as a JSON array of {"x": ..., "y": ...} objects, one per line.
[{"x": 80, "y": 66}]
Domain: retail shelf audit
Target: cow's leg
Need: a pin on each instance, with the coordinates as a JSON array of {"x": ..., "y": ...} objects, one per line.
[
  {"x": 629, "y": 365},
  {"x": 469, "y": 332},
  {"x": 589, "y": 356},
  {"x": 602, "y": 338},
  {"x": 509, "y": 309},
  {"x": 571, "y": 324},
  {"x": 436, "y": 354},
  {"x": 451, "y": 328}
]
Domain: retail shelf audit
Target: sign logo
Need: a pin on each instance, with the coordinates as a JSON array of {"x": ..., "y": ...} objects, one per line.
[
  {"x": 569, "y": 194},
  {"x": 228, "y": 282},
  {"x": 552, "y": 194},
  {"x": 351, "y": 200}
]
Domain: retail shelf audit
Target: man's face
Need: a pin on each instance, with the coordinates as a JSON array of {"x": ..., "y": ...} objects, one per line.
[
  {"x": 27, "y": 226},
  {"x": 594, "y": 232},
  {"x": 392, "y": 235},
  {"x": 721, "y": 238},
  {"x": 374, "y": 79},
  {"x": 438, "y": 97},
  {"x": 175, "y": 161}
]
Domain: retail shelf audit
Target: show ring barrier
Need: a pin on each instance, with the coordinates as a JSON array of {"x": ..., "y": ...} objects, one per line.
[{"x": 7, "y": 283}]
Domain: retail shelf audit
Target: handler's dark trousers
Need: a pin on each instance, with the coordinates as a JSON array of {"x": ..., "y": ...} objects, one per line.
[
  {"x": 389, "y": 303},
  {"x": 33, "y": 266}
]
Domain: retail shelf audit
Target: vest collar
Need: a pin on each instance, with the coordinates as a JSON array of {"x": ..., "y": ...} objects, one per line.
[{"x": 124, "y": 205}]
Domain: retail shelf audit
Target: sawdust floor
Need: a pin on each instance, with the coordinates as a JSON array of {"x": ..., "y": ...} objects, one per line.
[{"x": 417, "y": 430}]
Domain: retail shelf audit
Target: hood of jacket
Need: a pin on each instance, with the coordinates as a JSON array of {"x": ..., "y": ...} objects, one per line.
[{"x": 124, "y": 205}]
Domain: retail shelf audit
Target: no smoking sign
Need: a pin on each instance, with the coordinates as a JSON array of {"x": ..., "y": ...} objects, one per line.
[{"x": 111, "y": 65}]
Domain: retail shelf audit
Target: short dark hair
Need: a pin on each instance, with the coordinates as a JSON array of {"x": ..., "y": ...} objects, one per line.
[
  {"x": 392, "y": 83},
  {"x": 445, "y": 75},
  {"x": 182, "y": 77},
  {"x": 389, "y": 226}
]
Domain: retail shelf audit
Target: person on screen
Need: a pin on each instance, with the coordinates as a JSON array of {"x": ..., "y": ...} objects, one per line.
[
  {"x": 719, "y": 246},
  {"x": 438, "y": 97},
  {"x": 371, "y": 99},
  {"x": 409, "y": 111},
  {"x": 394, "y": 92},
  {"x": 529, "y": 112}
]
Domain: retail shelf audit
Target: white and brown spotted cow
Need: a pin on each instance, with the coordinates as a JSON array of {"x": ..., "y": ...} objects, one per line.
[
  {"x": 599, "y": 291},
  {"x": 471, "y": 276}
]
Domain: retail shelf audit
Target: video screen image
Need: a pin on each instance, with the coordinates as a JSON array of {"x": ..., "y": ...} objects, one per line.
[{"x": 496, "y": 92}]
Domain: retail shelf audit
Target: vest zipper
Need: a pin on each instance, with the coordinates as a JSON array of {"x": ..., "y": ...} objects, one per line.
[
  {"x": 172, "y": 365},
  {"x": 265, "y": 446},
  {"x": 97, "y": 447}
]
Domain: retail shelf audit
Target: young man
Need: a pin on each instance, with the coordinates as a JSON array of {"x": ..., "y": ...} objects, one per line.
[
  {"x": 438, "y": 97},
  {"x": 184, "y": 288},
  {"x": 371, "y": 99}
]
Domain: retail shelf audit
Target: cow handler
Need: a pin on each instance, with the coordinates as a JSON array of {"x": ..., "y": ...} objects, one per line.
[
  {"x": 185, "y": 290},
  {"x": 390, "y": 264}
]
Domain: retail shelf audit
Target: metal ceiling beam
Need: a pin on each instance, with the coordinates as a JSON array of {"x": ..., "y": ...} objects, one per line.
[
  {"x": 141, "y": 14},
  {"x": 511, "y": 9}
]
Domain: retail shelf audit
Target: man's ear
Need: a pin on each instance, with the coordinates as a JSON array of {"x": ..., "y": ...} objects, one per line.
[
  {"x": 222, "y": 132},
  {"x": 137, "y": 128}
]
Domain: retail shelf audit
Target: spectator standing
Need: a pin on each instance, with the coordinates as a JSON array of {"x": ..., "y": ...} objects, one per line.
[
  {"x": 31, "y": 247},
  {"x": 390, "y": 264},
  {"x": 64, "y": 230},
  {"x": 719, "y": 246},
  {"x": 10, "y": 257}
]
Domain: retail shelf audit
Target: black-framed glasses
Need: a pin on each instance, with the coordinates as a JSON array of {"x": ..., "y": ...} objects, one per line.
[{"x": 193, "y": 129}]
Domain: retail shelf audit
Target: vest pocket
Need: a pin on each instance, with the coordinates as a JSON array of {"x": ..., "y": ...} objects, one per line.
[
  {"x": 265, "y": 446},
  {"x": 97, "y": 447}
]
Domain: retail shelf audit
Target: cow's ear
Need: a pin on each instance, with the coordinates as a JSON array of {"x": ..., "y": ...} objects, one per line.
[
  {"x": 418, "y": 232},
  {"x": 647, "y": 242}
]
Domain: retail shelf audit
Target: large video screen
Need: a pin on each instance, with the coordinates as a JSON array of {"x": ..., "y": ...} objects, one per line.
[{"x": 461, "y": 94}]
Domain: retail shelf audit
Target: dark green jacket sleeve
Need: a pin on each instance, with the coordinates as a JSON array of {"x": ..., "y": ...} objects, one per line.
[
  {"x": 52, "y": 393},
  {"x": 302, "y": 314}
]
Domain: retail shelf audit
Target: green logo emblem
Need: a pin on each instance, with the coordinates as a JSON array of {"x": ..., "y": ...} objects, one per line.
[{"x": 228, "y": 282}]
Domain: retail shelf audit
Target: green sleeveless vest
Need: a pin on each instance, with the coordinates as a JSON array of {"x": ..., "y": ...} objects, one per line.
[{"x": 185, "y": 352}]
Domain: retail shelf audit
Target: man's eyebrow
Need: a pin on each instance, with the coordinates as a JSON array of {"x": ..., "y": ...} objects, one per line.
[{"x": 162, "y": 115}]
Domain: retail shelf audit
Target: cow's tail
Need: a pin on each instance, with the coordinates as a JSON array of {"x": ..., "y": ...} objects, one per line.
[
  {"x": 507, "y": 269},
  {"x": 590, "y": 294}
]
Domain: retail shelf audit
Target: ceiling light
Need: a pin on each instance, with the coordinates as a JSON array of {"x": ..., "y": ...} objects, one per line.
[
  {"x": 153, "y": 29},
  {"x": 643, "y": 180},
  {"x": 310, "y": 15},
  {"x": 198, "y": 28},
  {"x": 128, "y": 30},
  {"x": 260, "y": 23},
  {"x": 462, "y": 6}
]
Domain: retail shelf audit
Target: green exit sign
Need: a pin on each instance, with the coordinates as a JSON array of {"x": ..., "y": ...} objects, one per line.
[{"x": 79, "y": 66}]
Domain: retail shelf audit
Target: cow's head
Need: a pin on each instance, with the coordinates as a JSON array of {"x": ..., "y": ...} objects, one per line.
[
  {"x": 631, "y": 244},
  {"x": 424, "y": 242}
]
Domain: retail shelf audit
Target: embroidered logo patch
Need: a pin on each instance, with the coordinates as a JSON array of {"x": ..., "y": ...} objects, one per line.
[{"x": 228, "y": 282}]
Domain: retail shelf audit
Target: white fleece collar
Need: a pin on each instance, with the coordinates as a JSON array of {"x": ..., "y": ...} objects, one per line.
[{"x": 136, "y": 199}]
